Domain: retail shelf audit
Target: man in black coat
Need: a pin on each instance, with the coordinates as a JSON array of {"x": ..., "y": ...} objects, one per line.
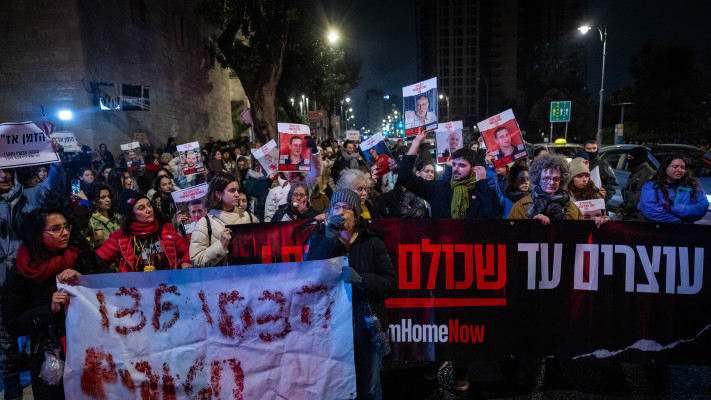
[
  {"x": 369, "y": 270},
  {"x": 466, "y": 195},
  {"x": 641, "y": 173},
  {"x": 607, "y": 174},
  {"x": 347, "y": 158}
]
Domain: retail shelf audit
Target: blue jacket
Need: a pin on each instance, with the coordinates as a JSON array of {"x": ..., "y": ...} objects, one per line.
[
  {"x": 684, "y": 209},
  {"x": 20, "y": 201}
]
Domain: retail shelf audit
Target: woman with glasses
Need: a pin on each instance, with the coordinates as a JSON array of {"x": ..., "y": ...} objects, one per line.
[
  {"x": 297, "y": 205},
  {"x": 209, "y": 243},
  {"x": 361, "y": 183},
  {"x": 547, "y": 201},
  {"x": 673, "y": 195},
  {"x": 52, "y": 249}
]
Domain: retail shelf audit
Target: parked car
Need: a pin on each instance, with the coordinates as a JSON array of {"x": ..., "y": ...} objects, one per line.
[
  {"x": 699, "y": 162},
  {"x": 567, "y": 150}
]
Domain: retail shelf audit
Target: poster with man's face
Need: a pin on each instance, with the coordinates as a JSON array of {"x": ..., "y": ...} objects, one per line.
[
  {"x": 449, "y": 139},
  {"x": 133, "y": 155},
  {"x": 378, "y": 156},
  {"x": 503, "y": 138},
  {"x": 420, "y": 106},
  {"x": 591, "y": 208},
  {"x": 268, "y": 157},
  {"x": 190, "y": 158},
  {"x": 294, "y": 156}
]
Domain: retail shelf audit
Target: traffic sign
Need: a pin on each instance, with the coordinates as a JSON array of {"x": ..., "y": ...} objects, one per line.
[{"x": 560, "y": 111}]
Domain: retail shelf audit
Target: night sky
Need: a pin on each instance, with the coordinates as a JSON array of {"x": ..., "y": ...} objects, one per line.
[{"x": 382, "y": 33}]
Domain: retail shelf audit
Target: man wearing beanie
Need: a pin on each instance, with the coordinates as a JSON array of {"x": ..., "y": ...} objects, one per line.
[
  {"x": 369, "y": 270},
  {"x": 466, "y": 196},
  {"x": 640, "y": 173}
]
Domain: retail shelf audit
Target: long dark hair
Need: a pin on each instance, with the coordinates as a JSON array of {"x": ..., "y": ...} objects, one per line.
[
  {"x": 218, "y": 184},
  {"x": 156, "y": 184},
  {"x": 95, "y": 195},
  {"x": 116, "y": 179},
  {"x": 104, "y": 167},
  {"x": 33, "y": 228},
  {"x": 589, "y": 192},
  {"x": 660, "y": 178},
  {"x": 512, "y": 177},
  {"x": 130, "y": 218}
]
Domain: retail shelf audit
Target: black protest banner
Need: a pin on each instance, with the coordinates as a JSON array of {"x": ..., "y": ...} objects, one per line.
[{"x": 495, "y": 289}]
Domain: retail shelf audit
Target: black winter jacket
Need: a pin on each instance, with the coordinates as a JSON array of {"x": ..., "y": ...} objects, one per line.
[{"x": 483, "y": 201}]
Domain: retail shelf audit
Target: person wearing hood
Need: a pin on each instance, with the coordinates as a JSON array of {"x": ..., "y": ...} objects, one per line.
[
  {"x": 209, "y": 243},
  {"x": 16, "y": 201},
  {"x": 607, "y": 174},
  {"x": 641, "y": 173}
]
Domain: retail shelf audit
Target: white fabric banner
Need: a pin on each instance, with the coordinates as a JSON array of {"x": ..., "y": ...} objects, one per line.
[
  {"x": 23, "y": 144},
  {"x": 240, "y": 332}
]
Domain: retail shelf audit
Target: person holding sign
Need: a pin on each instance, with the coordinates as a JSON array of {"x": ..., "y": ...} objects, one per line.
[
  {"x": 466, "y": 196},
  {"x": 372, "y": 276},
  {"x": 581, "y": 187},
  {"x": 210, "y": 241},
  {"x": 145, "y": 241},
  {"x": 547, "y": 201},
  {"x": 52, "y": 250}
]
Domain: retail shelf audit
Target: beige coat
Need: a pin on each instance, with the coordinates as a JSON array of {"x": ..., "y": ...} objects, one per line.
[{"x": 206, "y": 253}]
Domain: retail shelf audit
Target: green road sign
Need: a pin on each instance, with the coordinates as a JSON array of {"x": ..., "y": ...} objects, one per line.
[{"x": 560, "y": 111}]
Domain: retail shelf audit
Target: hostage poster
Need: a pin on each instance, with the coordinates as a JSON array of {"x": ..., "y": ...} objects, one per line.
[
  {"x": 294, "y": 156},
  {"x": 133, "y": 155},
  {"x": 242, "y": 332},
  {"x": 23, "y": 144},
  {"x": 190, "y": 158},
  {"x": 449, "y": 139},
  {"x": 189, "y": 203},
  {"x": 268, "y": 156},
  {"x": 503, "y": 138},
  {"x": 420, "y": 106},
  {"x": 378, "y": 156}
]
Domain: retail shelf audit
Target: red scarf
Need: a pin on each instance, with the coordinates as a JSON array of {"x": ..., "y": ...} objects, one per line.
[
  {"x": 39, "y": 270},
  {"x": 144, "y": 229}
]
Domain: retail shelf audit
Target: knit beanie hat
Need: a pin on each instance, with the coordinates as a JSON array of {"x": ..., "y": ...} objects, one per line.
[
  {"x": 581, "y": 154},
  {"x": 166, "y": 157},
  {"x": 347, "y": 196},
  {"x": 128, "y": 199},
  {"x": 577, "y": 166}
]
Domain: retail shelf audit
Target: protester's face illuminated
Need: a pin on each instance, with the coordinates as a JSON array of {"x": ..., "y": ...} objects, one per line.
[
  {"x": 104, "y": 201},
  {"x": 229, "y": 196},
  {"x": 474, "y": 146},
  {"x": 426, "y": 173},
  {"x": 197, "y": 211},
  {"x": 461, "y": 169},
  {"x": 581, "y": 180},
  {"x": 242, "y": 204},
  {"x": 422, "y": 105},
  {"x": 523, "y": 183},
  {"x": 550, "y": 181},
  {"x": 218, "y": 155},
  {"x": 143, "y": 211},
  {"x": 107, "y": 171},
  {"x": 362, "y": 189},
  {"x": 503, "y": 138},
  {"x": 296, "y": 146},
  {"x": 350, "y": 148},
  {"x": 242, "y": 165},
  {"x": 52, "y": 241},
  {"x": 131, "y": 156},
  {"x": 591, "y": 147},
  {"x": 42, "y": 173},
  {"x": 676, "y": 170},
  {"x": 127, "y": 181},
  {"x": 166, "y": 185},
  {"x": 346, "y": 210},
  {"x": 87, "y": 176}
]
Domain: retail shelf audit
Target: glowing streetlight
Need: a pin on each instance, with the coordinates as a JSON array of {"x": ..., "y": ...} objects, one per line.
[
  {"x": 603, "y": 39},
  {"x": 333, "y": 37},
  {"x": 65, "y": 115}
]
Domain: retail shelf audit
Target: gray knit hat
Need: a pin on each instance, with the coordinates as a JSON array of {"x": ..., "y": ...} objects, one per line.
[{"x": 347, "y": 196}]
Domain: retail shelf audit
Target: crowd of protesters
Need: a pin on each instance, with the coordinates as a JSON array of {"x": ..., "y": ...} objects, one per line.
[{"x": 123, "y": 220}]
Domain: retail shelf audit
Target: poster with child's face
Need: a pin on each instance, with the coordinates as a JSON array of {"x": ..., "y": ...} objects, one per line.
[
  {"x": 378, "y": 156},
  {"x": 449, "y": 139},
  {"x": 503, "y": 138},
  {"x": 267, "y": 156},
  {"x": 133, "y": 156},
  {"x": 190, "y": 158},
  {"x": 294, "y": 156}
]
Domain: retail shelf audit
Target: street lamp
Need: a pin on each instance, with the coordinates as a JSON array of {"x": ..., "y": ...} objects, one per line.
[
  {"x": 603, "y": 39},
  {"x": 333, "y": 37},
  {"x": 444, "y": 96}
]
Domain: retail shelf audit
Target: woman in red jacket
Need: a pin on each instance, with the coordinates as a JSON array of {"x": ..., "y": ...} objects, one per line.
[{"x": 145, "y": 242}]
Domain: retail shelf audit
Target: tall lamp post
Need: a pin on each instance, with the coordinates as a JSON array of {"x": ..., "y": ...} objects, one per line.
[
  {"x": 444, "y": 96},
  {"x": 603, "y": 39}
]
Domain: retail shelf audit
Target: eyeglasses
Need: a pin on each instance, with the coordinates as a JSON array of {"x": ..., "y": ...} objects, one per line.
[
  {"x": 298, "y": 195},
  {"x": 360, "y": 189},
  {"x": 342, "y": 206},
  {"x": 58, "y": 228},
  {"x": 549, "y": 180}
]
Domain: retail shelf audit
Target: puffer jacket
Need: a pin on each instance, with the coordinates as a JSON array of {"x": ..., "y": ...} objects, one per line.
[
  {"x": 208, "y": 251},
  {"x": 118, "y": 247},
  {"x": 684, "y": 209}
]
